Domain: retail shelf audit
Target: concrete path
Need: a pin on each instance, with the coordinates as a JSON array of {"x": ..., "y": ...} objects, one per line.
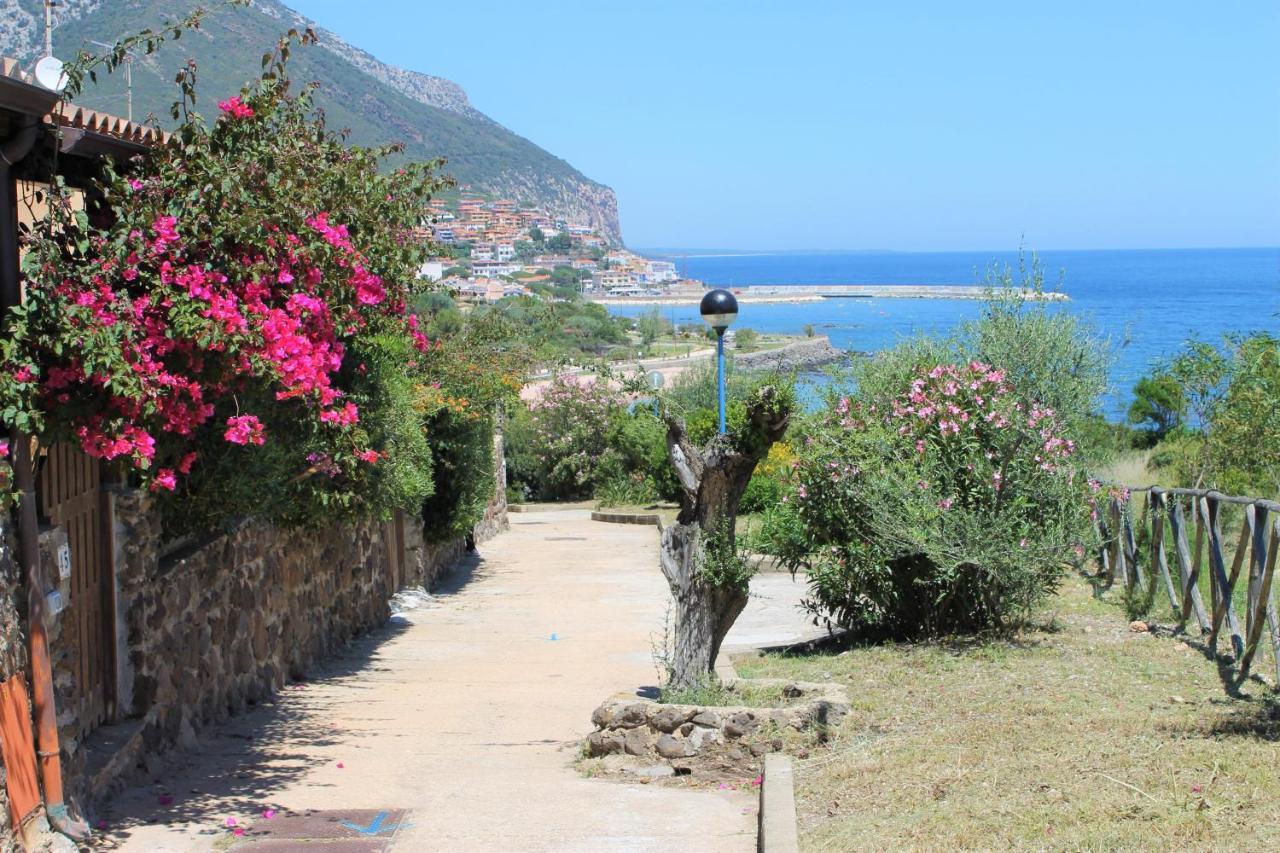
[{"x": 465, "y": 713}]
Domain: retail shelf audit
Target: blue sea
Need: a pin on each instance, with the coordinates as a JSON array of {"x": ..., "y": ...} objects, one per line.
[{"x": 1147, "y": 302}]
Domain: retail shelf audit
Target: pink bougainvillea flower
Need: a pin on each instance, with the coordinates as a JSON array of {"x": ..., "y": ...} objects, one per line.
[
  {"x": 164, "y": 479},
  {"x": 370, "y": 456},
  {"x": 184, "y": 466},
  {"x": 341, "y": 765},
  {"x": 230, "y": 821},
  {"x": 235, "y": 108},
  {"x": 4, "y": 448},
  {"x": 238, "y": 831},
  {"x": 245, "y": 429},
  {"x": 268, "y": 814}
]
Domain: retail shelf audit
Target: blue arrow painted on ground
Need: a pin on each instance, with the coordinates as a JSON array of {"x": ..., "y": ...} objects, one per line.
[{"x": 375, "y": 826}]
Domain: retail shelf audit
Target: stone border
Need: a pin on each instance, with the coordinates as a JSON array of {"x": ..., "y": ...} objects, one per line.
[
  {"x": 777, "y": 832},
  {"x": 626, "y": 518},
  {"x": 642, "y": 728}
]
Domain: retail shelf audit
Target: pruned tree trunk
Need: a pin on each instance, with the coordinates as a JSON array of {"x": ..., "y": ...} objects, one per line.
[{"x": 699, "y": 551}]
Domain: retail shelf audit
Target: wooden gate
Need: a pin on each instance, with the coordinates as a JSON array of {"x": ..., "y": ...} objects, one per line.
[{"x": 71, "y": 497}]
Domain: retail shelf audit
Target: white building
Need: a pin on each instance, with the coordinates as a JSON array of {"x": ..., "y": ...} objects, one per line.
[
  {"x": 505, "y": 252},
  {"x": 482, "y": 252},
  {"x": 432, "y": 270}
]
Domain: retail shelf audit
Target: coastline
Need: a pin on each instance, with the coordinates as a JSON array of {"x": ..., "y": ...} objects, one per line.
[{"x": 761, "y": 294}]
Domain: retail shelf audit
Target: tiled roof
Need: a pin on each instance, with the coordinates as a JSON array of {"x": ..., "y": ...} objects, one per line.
[{"x": 69, "y": 115}]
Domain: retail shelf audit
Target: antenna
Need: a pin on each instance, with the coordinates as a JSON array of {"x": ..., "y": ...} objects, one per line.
[{"x": 128, "y": 77}]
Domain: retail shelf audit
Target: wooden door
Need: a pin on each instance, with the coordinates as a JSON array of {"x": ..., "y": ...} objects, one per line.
[{"x": 71, "y": 497}]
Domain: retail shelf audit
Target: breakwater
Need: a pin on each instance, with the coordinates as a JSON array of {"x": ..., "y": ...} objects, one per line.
[{"x": 774, "y": 293}]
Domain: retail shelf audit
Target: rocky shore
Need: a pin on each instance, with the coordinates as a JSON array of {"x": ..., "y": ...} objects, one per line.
[{"x": 807, "y": 354}]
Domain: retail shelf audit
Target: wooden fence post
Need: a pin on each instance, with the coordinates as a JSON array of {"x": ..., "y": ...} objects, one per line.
[
  {"x": 1264, "y": 566},
  {"x": 1155, "y": 505},
  {"x": 1188, "y": 570}
]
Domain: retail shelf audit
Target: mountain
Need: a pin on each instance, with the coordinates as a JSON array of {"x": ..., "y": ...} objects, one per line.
[{"x": 378, "y": 103}]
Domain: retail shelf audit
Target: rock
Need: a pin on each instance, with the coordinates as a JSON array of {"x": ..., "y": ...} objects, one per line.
[
  {"x": 707, "y": 718},
  {"x": 1177, "y": 700},
  {"x": 735, "y": 754},
  {"x": 630, "y": 716},
  {"x": 758, "y": 749},
  {"x": 687, "y": 728},
  {"x": 670, "y": 746},
  {"x": 636, "y": 742},
  {"x": 791, "y": 691},
  {"x": 669, "y": 718},
  {"x": 601, "y": 743},
  {"x": 742, "y": 723},
  {"x": 602, "y": 716},
  {"x": 702, "y": 738},
  {"x": 1138, "y": 626}
]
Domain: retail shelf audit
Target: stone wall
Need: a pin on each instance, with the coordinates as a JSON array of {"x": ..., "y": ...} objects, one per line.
[{"x": 205, "y": 631}]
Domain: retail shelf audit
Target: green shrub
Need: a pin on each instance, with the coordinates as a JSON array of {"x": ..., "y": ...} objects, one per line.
[{"x": 947, "y": 494}]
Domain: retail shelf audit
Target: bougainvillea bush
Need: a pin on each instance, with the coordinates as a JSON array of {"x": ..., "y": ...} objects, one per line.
[
  {"x": 938, "y": 497},
  {"x": 235, "y": 334}
]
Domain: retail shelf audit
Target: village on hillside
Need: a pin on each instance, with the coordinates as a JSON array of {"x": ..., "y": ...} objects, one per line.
[{"x": 493, "y": 248}]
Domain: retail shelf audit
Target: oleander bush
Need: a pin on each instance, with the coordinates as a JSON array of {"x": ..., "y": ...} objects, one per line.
[{"x": 945, "y": 492}]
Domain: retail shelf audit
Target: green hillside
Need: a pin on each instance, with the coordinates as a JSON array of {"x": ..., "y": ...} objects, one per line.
[{"x": 228, "y": 49}]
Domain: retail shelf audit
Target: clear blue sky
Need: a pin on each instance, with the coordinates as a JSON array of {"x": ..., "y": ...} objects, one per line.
[{"x": 860, "y": 125}]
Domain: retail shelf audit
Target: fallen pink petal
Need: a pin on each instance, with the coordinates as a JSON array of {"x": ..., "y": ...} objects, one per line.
[
  {"x": 268, "y": 814},
  {"x": 230, "y": 821}
]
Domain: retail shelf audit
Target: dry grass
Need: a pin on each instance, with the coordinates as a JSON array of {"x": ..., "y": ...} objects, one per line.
[
  {"x": 1079, "y": 736},
  {"x": 1129, "y": 468}
]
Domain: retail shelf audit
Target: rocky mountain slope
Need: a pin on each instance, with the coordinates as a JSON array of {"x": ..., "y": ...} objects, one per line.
[{"x": 378, "y": 102}]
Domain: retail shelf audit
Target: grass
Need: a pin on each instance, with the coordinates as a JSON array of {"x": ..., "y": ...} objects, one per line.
[
  {"x": 714, "y": 693},
  {"x": 1079, "y": 735}
]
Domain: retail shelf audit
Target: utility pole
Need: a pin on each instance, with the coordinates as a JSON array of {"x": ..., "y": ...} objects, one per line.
[{"x": 48, "y": 27}]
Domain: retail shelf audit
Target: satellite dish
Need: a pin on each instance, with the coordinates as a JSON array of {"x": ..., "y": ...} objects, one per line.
[{"x": 50, "y": 74}]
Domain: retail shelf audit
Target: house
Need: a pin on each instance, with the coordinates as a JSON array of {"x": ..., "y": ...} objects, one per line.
[
  {"x": 483, "y": 252},
  {"x": 433, "y": 270},
  {"x": 611, "y": 280},
  {"x": 505, "y": 251}
]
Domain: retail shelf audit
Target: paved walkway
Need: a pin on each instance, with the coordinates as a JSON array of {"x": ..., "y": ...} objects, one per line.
[{"x": 466, "y": 713}]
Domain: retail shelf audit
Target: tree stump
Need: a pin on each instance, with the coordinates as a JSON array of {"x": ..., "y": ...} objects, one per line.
[{"x": 708, "y": 579}]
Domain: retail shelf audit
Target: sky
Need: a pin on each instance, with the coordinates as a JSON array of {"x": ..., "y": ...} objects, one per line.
[{"x": 927, "y": 125}]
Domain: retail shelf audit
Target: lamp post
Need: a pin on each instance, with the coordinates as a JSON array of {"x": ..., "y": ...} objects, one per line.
[{"x": 719, "y": 309}]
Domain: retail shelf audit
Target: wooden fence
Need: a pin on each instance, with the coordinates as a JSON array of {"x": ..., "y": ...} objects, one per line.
[{"x": 1193, "y": 519}]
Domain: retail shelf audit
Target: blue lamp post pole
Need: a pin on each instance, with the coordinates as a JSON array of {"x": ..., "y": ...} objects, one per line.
[{"x": 719, "y": 309}]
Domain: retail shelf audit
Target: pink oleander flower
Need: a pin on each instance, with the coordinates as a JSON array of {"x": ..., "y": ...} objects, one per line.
[
  {"x": 236, "y": 108},
  {"x": 245, "y": 429}
]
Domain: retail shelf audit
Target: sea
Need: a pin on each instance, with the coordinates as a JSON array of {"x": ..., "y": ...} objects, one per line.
[{"x": 1146, "y": 303}]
